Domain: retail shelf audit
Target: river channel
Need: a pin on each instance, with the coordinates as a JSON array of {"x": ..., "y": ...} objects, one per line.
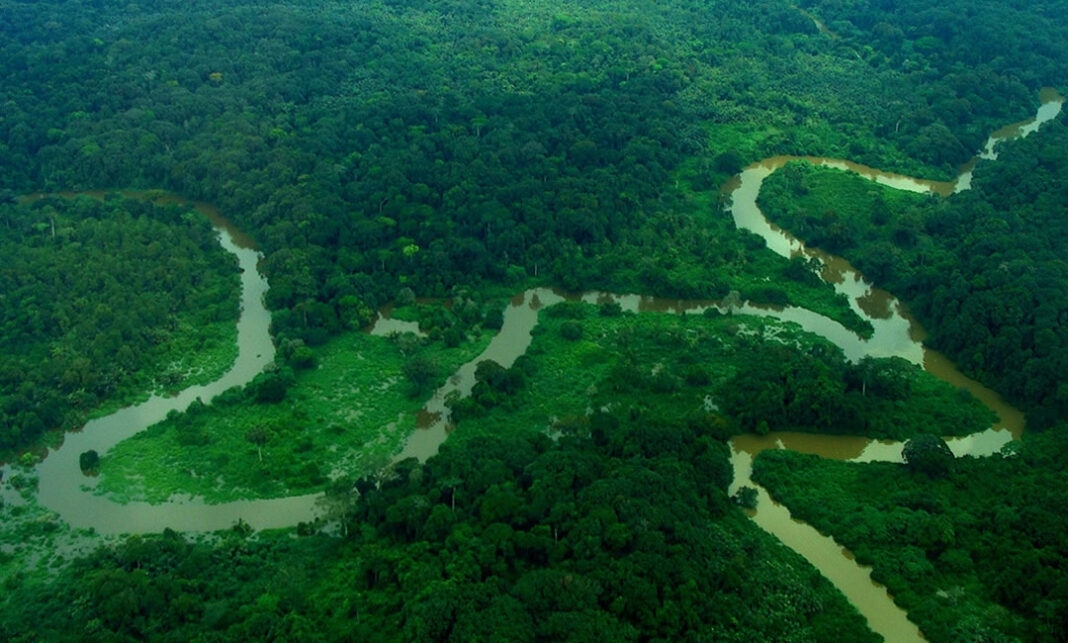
[{"x": 64, "y": 489}]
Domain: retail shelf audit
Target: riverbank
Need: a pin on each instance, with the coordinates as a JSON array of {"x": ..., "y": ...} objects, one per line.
[
  {"x": 345, "y": 415},
  {"x": 103, "y": 302},
  {"x": 895, "y": 336},
  {"x": 976, "y": 552}
]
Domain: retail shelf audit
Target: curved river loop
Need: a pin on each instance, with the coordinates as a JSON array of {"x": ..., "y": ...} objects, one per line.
[{"x": 63, "y": 488}]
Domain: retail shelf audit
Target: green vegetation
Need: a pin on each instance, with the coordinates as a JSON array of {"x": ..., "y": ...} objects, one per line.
[
  {"x": 757, "y": 274},
  {"x": 288, "y": 431},
  {"x": 35, "y": 544},
  {"x": 581, "y": 539},
  {"x": 502, "y": 521},
  {"x": 519, "y": 538},
  {"x": 976, "y": 553},
  {"x": 386, "y": 152},
  {"x": 103, "y": 301},
  {"x": 837, "y": 210},
  {"x": 507, "y": 142},
  {"x": 761, "y": 374},
  {"x": 983, "y": 270},
  {"x": 928, "y": 454},
  {"x": 167, "y": 587}
]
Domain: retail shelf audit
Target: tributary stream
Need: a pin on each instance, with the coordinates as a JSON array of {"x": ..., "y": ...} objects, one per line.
[{"x": 64, "y": 489}]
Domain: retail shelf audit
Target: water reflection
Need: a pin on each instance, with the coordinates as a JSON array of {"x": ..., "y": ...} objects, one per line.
[
  {"x": 64, "y": 489},
  {"x": 895, "y": 333}
]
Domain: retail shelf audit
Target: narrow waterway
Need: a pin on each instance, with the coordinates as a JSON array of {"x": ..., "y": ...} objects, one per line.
[
  {"x": 896, "y": 333},
  {"x": 65, "y": 490}
]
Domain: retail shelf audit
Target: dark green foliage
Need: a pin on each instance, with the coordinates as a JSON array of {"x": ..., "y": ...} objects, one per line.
[
  {"x": 564, "y": 540},
  {"x": 494, "y": 319},
  {"x": 452, "y": 337},
  {"x": 571, "y": 330},
  {"x": 371, "y": 155},
  {"x": 271, "y": 387},
  {"x": 928, "y": 454},
  {"x": 801, "y": 269},
  {"x": 983, "y": 269},
  {"x": 418, "y": 147},
  {"x": 302, "y": 358},
  {"x": 783, "y": 389},
  {"x": 89, "y": 461},
  {"x": 164, "y": 588},
  {"x": 976, "y": 554},
  {"x": 610, "y": 309},
  {"x": 729, "y": 162},
  {"x": 746, "y": 497},
  {"x": 92, "y": 295},
  {"x": 572, "y": 310},
  {"x": 420, "y": 371},
  {"x": 961, "y": 42},
  {"x": 886, "y": 378},
  {"x": 494, "y": 386}
]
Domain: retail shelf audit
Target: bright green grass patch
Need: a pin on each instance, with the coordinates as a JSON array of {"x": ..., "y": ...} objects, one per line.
[
  {"x": 194, "y": 357},
  {"x": 348, "y": 415},
  {"x": 670, "y": 369}
]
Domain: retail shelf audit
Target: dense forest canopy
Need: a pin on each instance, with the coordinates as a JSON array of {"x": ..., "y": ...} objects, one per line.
[
  {"x": 101, "y": 300},
  {"x": 984, "y": 270},
  {"x": 448, "y": 142},
  {"x": 443, "y": 154},
  {"x": 973, "y": 553}
]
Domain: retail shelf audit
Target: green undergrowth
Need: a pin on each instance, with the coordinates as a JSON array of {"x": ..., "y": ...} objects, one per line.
[
  {"x": 710, "y": 370},
  {"x": 35, "y": 545},
  {"x": 103, "y": 302},
  {"x": 567, "y": 379},
  {"x": 171, "y": 586},
  {"x": 837, "y": 210},
  {"x": 194, "y": 358},
  {"x": 748, "y": 143},
  {"x": 348, "y": 414},
  {"x": 974, "y": 554},
  {"x": 760, "y": 275}
]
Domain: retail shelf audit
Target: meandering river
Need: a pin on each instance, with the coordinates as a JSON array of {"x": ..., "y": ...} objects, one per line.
[
  {"x": 896, "y": 333},
  {"x": 65, "y": 490}
]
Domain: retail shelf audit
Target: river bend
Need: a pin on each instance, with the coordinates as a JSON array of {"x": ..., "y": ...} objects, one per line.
[{"x": 63, "y": 489}]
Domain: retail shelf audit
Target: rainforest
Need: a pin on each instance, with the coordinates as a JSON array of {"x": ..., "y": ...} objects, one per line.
[{"x": 455, "y": 320}]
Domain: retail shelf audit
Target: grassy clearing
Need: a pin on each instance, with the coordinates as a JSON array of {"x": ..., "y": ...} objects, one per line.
[
  {"x": 669, "y": 369},
  {"x": 349, "y": 414},
  {"x": 194, "y": 357}
]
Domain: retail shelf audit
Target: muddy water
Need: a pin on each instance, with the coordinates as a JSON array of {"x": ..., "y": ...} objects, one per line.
[
  {"x": 895, "y": 333},
  {"x": 65, "y": 490},
  {"x": 520, "y": 317},
  {"x": 834, "y": 561}
]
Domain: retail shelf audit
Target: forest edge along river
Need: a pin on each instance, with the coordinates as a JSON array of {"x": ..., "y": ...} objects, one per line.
[{"x": 64, "y": 489}]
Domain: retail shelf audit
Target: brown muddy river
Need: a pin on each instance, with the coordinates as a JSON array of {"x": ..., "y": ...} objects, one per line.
[{"x": 63, "y": 488}]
